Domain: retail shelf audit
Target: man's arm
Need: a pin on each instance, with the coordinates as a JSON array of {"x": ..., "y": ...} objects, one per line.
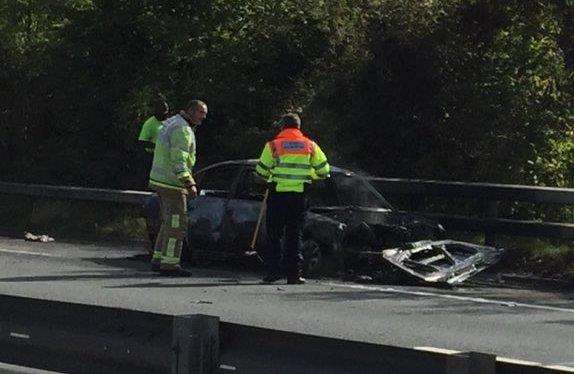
[
  {"x": 145, "y": 136},
  {"x": 266, "y": 162},
  {"x": 319, "y": 162},
  {"x": 179, "y": 153}
]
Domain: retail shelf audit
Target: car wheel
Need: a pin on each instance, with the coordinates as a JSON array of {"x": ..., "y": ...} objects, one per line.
[{"x": 313, "y": 258}]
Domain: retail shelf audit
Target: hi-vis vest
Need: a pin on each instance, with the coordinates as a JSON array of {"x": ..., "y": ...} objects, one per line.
[
  {"x": 291, "y": 160},
  {"x": 174, "y": 155}
]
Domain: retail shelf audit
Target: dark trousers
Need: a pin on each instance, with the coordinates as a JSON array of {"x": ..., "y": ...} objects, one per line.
[{"x": 285, "y": 215}]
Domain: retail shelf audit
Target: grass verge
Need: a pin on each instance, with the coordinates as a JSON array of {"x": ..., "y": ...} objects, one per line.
[
  {"x": 548, "y": 258},
  {"x": 73, "y": 219}
]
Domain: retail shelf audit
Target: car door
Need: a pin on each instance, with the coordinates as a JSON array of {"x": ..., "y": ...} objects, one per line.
[
  {"x": 206, "y": 212},
  {"x": 242, "y": 212}
]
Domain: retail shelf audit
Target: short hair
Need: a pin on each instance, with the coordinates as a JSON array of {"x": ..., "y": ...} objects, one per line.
[
  {"x": 160, "y": 108},
  {"x": 290, "y": 120},
  {"x": 194, "y": 104}
]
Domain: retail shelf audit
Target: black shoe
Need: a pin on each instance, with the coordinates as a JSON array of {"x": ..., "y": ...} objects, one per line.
[
  {"x": 268, "y": 279},
  {"x": 175, "y": 271},
  {"x": 296, "y": 280}
]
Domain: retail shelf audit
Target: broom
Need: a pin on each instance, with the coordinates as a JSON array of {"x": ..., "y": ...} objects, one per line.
[{"x": 251, "y": 251}]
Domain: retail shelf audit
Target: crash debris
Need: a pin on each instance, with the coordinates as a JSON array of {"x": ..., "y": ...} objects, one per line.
[{"x": 38, "y": 238}]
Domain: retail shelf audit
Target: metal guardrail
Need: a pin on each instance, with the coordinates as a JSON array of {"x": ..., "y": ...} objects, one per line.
[
  {"x": 76, "y": 338},
  {"x": 76, "y": 193},
  {"x": 484, "y": 191},
  {"x": 81, "y": 339},
  {"x": 490, "y": 194}
]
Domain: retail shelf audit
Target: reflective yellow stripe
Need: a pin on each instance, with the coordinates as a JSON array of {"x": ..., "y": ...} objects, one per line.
[
  {"x": 171, "y": 248},
  {"x": 169, "y": 260},
  {"x": 175, "y": 221},
  {"x": 161, "y": 184}
]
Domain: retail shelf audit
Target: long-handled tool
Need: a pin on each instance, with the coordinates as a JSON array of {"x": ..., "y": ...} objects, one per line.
[{"x": 252, "y": 251}]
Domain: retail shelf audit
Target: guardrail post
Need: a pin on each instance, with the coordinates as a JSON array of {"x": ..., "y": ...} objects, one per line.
[
  {"x": 481, "y": 363},
  {"x": 195, "y": 345},
  {"x": 490, "y": 210}
]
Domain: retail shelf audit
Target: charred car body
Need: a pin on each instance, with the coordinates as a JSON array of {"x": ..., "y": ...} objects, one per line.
[{"x": 349, "y": 225}]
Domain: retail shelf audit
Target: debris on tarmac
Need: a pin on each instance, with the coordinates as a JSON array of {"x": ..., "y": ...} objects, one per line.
[{"x": 37, "y": 238}]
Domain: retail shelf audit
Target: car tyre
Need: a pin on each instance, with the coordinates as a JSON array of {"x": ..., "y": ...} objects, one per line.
[{"x": 313, "y": 258}]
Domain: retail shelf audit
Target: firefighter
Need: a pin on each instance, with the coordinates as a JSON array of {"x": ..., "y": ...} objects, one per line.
[
  {"x": 171, "y": 177},
  {"x": 147, "y": 139},
  {"x": 150, "y": 127},
  {"x": 289, "y": 163}
]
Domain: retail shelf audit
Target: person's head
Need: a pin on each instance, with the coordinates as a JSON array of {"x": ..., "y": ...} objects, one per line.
[
  {"x": 290, "y": 121},
  {"x": 196, "y": 111},
  {"x": 160, "y": 108}
]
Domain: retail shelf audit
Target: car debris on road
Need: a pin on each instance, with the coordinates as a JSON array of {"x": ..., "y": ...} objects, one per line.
[{"x": 38, "y": 238}]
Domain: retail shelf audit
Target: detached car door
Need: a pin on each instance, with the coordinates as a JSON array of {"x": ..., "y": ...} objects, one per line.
[{"x": 206, "y": 212}]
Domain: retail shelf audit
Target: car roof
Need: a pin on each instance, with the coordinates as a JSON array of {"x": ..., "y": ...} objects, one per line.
[{"x": 253, "y": 162}]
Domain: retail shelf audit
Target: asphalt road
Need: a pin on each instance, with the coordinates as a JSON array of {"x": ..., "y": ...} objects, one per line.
[{"x": 517, "y": 323}]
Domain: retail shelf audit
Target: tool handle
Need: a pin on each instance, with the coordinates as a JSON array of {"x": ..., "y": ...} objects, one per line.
[{"x": 259, "y": 219}]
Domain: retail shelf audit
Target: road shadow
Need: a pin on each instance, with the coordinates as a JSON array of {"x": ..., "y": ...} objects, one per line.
[
  {"x": 85, "y": 275},
  {"x": 219, "y": 283}
]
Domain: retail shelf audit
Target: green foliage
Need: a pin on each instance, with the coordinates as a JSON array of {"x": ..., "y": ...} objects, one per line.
[
  {"x": 542, "y": 257},
  {"x": 452, "y": 89}
]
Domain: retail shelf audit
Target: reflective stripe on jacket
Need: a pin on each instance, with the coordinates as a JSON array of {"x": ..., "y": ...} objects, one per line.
[
  {"x": 291, "y": 160},
  {"x": 174, "y": 155}
]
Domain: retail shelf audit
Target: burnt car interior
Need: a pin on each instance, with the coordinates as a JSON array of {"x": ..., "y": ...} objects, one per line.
[
  {"x": 218, "y": 181},
  {"x": 250, "y": 186}
]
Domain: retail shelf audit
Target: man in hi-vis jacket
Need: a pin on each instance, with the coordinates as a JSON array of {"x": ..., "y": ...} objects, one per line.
[{"x": 171, "y": 177}]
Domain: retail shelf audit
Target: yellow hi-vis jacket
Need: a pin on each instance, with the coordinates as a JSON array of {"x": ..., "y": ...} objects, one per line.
[
  {"x": 291, "y": 160},
  {"x": 174, "y": 155}
]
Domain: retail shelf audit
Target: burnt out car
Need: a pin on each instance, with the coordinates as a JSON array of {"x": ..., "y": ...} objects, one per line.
[{"x": 349, "y": 225}]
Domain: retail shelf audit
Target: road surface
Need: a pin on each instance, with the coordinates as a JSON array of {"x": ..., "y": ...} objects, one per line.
[{"x": 516, "y": 323}]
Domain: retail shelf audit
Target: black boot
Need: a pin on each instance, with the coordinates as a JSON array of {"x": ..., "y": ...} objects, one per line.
[{"x": 296, "y": 278}]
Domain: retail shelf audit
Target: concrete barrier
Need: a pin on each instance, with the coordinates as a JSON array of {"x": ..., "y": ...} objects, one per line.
[{"x": 74, "y": 338}]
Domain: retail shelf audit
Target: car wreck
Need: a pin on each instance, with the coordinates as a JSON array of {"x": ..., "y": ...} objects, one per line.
[{"x": 350, "y": 228}]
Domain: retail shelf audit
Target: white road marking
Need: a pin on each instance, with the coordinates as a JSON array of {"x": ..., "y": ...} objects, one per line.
[
  {"x": 564, "y": 366},
  {"x": 6, "y": 368},
  {"x": 447, "y": 296},
  {"x": 19, "y": 336},
  {"x": 27, "y": 253},
  {"x": 567, "y": 369},
  {"x": 516, "y": 361},
  {"x": 437, "y": 350}
]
